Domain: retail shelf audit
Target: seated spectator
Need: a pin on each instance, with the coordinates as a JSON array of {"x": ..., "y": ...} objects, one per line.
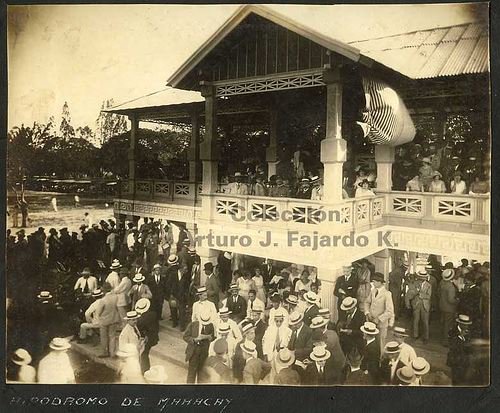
[
  {"x": 237, "y": 187},
  {"x": 258, "y": 188},
  {"x": 304, "y": 190},
  {"x": 479, "y": 186},
  {"x": 364, "y": 189},
  {"x": 91, "y": 317},
  {"x": 437, "y": 185},
  {"x": 458, "y": 186},
  {"x": 280, "y": 190},
  {"x": 414, "y": 185},
  {"x": 426, "y": 172}
]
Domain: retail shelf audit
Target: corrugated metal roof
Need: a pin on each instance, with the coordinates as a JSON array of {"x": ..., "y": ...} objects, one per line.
[
  {"x": 164, "y": 97},
  {"x": 445, "y": 51}
]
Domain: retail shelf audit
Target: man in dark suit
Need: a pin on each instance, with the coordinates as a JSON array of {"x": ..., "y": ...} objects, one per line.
[
  {"x": 396, "y": 277},
  {"x": 158, "y": 286},
  {"x": 236, "y": 304},
  {"x": 319, "y": 373},
  {"x": 149, "y": 328},
  {"x": 371, "y": 352},
  {"x": 460, "y": 350},
  {"x": 198, "y": 336},
  {"x": 312, "y": 309},
  {"x": 350, "y": 321},
  {"x": 212, "y": 284},
  {"x": 177, "y": 286},
  {"x": 268, "y": 271},
  {"x": 301, "y": 340},
  {"x": 354, "y": 376},
  {"x": 346, "y": 285},
  {"x": 260, "y": 328},
  {"x": 390, "y": 363}
]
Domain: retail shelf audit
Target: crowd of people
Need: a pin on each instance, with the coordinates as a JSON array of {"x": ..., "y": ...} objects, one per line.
[{"x": 244, "y": 320}]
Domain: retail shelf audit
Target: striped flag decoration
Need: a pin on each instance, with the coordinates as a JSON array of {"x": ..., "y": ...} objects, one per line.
[{"x": 386, "y": 120}]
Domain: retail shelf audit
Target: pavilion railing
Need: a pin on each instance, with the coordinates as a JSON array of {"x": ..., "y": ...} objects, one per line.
[{"x": 162, "y": 190}]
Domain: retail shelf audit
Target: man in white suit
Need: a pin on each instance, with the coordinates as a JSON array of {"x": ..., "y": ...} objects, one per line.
[{"x": 379, "y": 308}]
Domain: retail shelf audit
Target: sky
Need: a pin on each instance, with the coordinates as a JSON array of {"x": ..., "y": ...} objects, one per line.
[{"x": 84, "y": 54}]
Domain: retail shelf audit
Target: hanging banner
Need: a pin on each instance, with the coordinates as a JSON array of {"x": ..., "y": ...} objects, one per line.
[{"x": 386, "y": 120}]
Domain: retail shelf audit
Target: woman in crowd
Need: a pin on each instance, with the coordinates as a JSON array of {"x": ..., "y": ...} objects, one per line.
[
  {"x": 364, "y": 189},
  {"x": 245, "y": 284},
  {"x": 458, "y": 186},
  {"x": 414, "y": 185},
  {"x": 437, "y": 185},
  {"x": 259, "y": 284}
]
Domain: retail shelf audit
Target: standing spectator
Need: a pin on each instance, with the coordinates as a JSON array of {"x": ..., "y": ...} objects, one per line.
[
  {"x": 285, "y": 373},
  {"x": 276, "y": 337},
  {"x": 177, "y": 290},
  {"x": 224, "y": 331},
  {"x": 469, "y": 303},
  {"x": 139, "y": 290},
  {"x": 254, "y": 369},
  {"x": 54, "y": 247},
  {"x": 258, "y": 280},
  {"x": 458, "y": 186},
  {"x": 245, "y": 284},
  {"x": 130, "y": 334},
  {"x": 346, "y": 285},
  {"x": 198, "y": 336},
  {"x": 418, "y": 298},
  {"x": 237, "y": 187},
  {"x": 260, "y": 329},
  {"x": 122, "y": 291},
  {"x": 426, "y": 171},
  {"x": 319, "y": 372},
  {"x": 350, "y": 321},
  {"x": 236, "y": 304},
  {"x": 113, "y": 245},
  {"x": 113, "y": 279},
  {"x": 390, "y": 363},
  {"x": 212, "y": 283},
  {"x": 149, "y": 328},
  {"x": 312, "y": 308},
  {"x": 421, "y": 367},
  {"x": 448, "y": 300},
  {"x": 224, "y": 267},
  {"x": 396, "y": 277},
  {"x": 254, "y": 302},
  {"x": 15, "y": 213},
  {"x": 459, "y": 354},
  {"x": 91, "y": 317},
  {"x": 158, "y": 286},
  {"x": 216, "y": 369},
  {"x": 379, "y": 307},
  {"x": 406, "y": 352},
  {"x": 26, "y": 373},
  {"x": 203, "y": 306},
  {"x": 371, "y": 352},
  {"x": 55, "y": 367},
  {"x": 24, "y": 212},
  {"x": 109, "y": 321},
  {"x": 301, "y": 339},
  {"x": 363, "y": 276},
  {"x": 354, "y": 375}
]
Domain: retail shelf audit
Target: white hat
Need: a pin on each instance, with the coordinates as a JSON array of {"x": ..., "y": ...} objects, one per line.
[
  {"x": 115, "y": 265},
  {"x": 369, "y": 328},
  {"x": 59, "y": 344},
  {"x": 320, "y": 353},
  {"x": 142, "y": 305},
  {"x": 420, "y": 366},
  {"x": 249, "y": 347},
  {"x": 311, "y": 297},
  {"x": 348, "y": 303},
  {"x": 295, "y": 318},
  {"x": 21, "y": 357},
  {"x": 228, "y": 255},
  {"x": 132, "y": 315},
  {"x": 138, "y": 278},
  {"x": 173, "y": 259},
  {"x": 44, "y": 295},
  {"x": 201, "y": 290},
  {"x": 224, "y": 311},
  {"x": 156, "y": 375},
  {"x": 224, "y": 328},
  {"x": 205, "y": 318},
  {"x": 156, "y": 266},
  {"x": 448, "y": 274},
  {"x": 318, "y": 322},
  {"x": 285, "y": 358}
]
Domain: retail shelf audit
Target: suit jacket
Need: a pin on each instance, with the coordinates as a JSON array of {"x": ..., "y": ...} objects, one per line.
[
  {"x": 338, "y": 359},
  {"x": 448, "y": 298},
  {"x": 371, "y": 361},
  {"x": 302, "y": 344},
  {"x": 158, "y": 290},
  {"x": 107, "y": 311},
  {"x": 238, "y": 308},
  {"x": 420, "y": 295},
  {"x": 356, "y": 378},
  {"x": 260, "y": 329},
  {"x": 310, "y": 313},
  {"x": 192, "y": 331},
  {"x": 313, "y": 378},
  {"x": 215, "y": 371},
  {"x": 213, "y": 289},
  {"x": 255, "y": 370},
  {"x": 350, "y": 288},
  {"x": 385, "y": 371},
  {"x": 149, "y": 327},
  {"x": 176, "y": 288},
  {"x": 380, "y": 307},
  {"x": 355, "y": 338},
  {"x": 288, "y": 376}
]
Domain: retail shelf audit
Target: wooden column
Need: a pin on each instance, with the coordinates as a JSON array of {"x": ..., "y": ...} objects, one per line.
[
  {"x": 271, "y": 151},
  {"x": 333, "y": 147},
  {"x": 209, "y": 150},
  {"x": 132, "y": 151},
  {"x": 384, "y": 157},
  {"x": 194, "y": 147}
]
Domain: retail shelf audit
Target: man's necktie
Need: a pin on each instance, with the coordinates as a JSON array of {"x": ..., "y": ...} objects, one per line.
[
  {"x": 251, "y": 305},
  {"x": 376, "y": 293},
  {"x": 277, "y": 344},
  {"x": 292, "y": 340},
  {"x": 86, "y": 288}
]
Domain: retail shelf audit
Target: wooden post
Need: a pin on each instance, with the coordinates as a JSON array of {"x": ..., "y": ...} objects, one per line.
[
  {"x": 209, "y": 150},
  {"x": 194, "y": 148},
  {"x": 132, "y": 151},
  {"x": 271, "y": 151},
  {"x": 384, "y": 157},
  {"x": 333, "y": 147}
]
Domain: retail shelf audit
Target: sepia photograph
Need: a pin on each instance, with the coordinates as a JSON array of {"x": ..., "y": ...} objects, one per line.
[{"x": 286, "y": 195}]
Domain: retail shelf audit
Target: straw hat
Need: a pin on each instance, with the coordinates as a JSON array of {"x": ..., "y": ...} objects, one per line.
[
  {"x": 324, "y": 311},
  {"x": 392, "y": 347},
  {"x": 21, "y": 357},
  {"x": 426, "y": 160},
  {"x": 369, "y": 328},
  {"x": 295, "y": 318},
  {"x": 314, "y": 179},
  {"x": 247, "y": 327},
  {"x": 233, "y": 287},
  {"x": 292, "y": 299},
  {"x": 224, "y": 311},
  {"x": 192, "y": 251},
  {"x": 448, "y": 274},
  {"x": 311, "y": 297},
  {"x": 97, "y": 293},
  {"x": 228, "y": 255},
  {"x": 142, "y": 305},
  {"x": 420, "y": 366},
  {"x": 201, "y": 290},
  {"x": 285, "y": 358},
  {"x": 156, "y": 375},
  {"x": 44, "y": 295},
  {"x": 400, "y": 332},
  {"x": 127, "y": 350},
  {"x": 348, "y": 303},
  {"x": 132, "y": 315},
  {"x": 437, "y": 173},
  {"x": 173, "y": 259},
  {"x": 115, "y": 265},
  {"x": 423, "y": 274},
  {"x": 318, "y": 322},
  {"x": 406, "y": 374},
  {"x": 138, "y": 278},
  {"x": 205, "y": 318},
  {"x": 59, "y": 344},
  {"x": 156, "y": 266},
  {"x": 249, "y": 347},
  {"x": 320, "y": 353},
  {"x": 464, "y": 319}
]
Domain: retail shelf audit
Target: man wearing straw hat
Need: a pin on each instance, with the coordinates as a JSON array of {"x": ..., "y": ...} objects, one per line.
[
  {"x": 149, "y": 327},
  {"x": 421, "y": 367},
  {"x": 237, "y": 187},
  {"x": 319, "y": 372},
  {"x": 198, "y": 336},
  {"x": 406, "y": 376},
  {"x": 130, "y": 333},
  {"x": 348, "y": 328},
  {"x": 139, "y": 290},
  {"x": 283, "y": 364},
  {"x": 448, "y": 301},
  {"x": 312, "y": 308},
  {"x": 109, "y": 321},
  {"x": 459, "y": 354},
  {"x": 224, "y": 332},
  {"x": 55, "y": 367},
  {"x": 390, "y": 363},
  {"x": 419, "y": 297},
  {"x": 346, "y": 285},
  {"x": 255, "y": 369},
  {"x": 91, "y": 318},
  {"x": 113, "y": 278},
  {"x": 406, "y": 352},
  {"x": 301, "y": 342},
  {"x": 276, "y": 337},
  {"x": 26, "y": 373},
  {"x": 203, "y": 305},
  {"x": 371, "y": 352}
]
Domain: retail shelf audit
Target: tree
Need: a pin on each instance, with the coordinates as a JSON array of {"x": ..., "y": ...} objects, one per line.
[
  {"x": 109, "y": 124},
  {"x": 66, "y": 129}
]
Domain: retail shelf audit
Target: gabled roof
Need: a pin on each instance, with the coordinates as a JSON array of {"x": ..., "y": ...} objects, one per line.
[
  {"x": 444, "y": 51},
  {"x": 272, "y": 15}
]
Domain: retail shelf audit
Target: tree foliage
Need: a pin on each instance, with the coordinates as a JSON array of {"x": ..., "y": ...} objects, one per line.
[{"x": 109, "y": 124}]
